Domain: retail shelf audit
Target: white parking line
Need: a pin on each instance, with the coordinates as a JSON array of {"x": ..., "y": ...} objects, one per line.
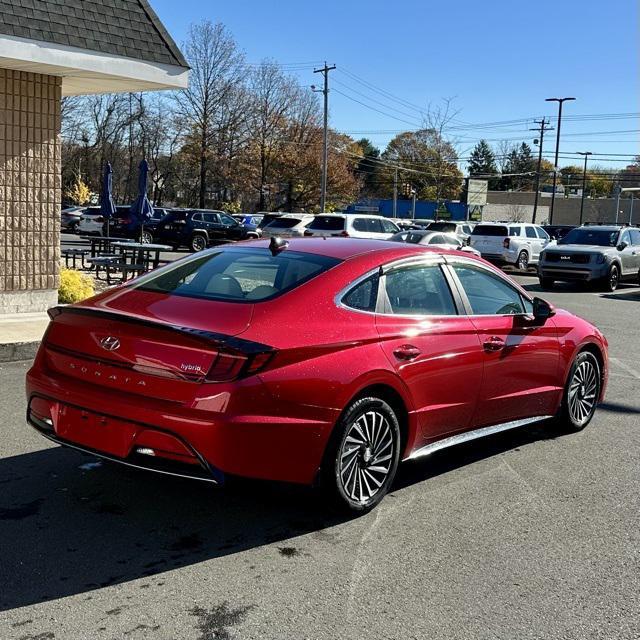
[{"x": 626, "y": 367}]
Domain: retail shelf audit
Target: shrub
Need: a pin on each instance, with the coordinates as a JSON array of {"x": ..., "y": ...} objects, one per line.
[{"x": 74, "y": 286}]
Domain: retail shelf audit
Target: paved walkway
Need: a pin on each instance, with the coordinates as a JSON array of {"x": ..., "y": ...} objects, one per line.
[{"x": 20, "y": 335}]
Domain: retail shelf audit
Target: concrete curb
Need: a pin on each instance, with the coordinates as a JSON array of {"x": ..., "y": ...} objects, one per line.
[{"x": 15, "y": 351}]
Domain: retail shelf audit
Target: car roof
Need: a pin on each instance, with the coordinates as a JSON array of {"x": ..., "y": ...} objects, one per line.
[{"x": 346, "y": 248}]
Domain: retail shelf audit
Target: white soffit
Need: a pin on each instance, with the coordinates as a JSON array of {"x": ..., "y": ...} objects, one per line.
[{"x": 84, "y": 72}]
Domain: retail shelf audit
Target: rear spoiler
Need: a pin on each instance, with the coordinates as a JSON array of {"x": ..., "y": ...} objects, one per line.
[{"x": 209, "y": 338}]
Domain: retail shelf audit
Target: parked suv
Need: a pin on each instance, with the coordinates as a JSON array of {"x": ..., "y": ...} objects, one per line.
[
  {"x": 198, "y": 228},
  {"x": 604, "y": 254},
  {"x": 349, "y": 225},
  {"x": 461, "y": 229},
  {"x": 125, "y": 225},
  {"x": 516, "y": 243},
  {"x": 287, "y": 225}
]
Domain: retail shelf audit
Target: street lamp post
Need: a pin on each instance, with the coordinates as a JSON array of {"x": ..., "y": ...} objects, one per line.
[
  {"x": 560, "y": 102},
  {"x": 586, "y": 155},
  {"x": 413, "y": 204}
]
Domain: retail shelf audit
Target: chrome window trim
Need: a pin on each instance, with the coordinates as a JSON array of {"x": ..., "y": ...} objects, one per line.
[{"x": 474, "y": 434}]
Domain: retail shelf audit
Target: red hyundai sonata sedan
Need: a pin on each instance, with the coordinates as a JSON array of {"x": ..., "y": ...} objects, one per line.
[{"x": 314, "y": 361}]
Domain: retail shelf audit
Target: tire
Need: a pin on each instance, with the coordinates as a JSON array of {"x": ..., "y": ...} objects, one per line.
[
  {"x": 198, "y": 242},
  {"x": 612, "y": 280},
  {"x": 522, "y": 262},
  {"x": 367, "y": 433},
  {"x": 146, "y": 237},
  {"x": 581, "y": 393},
  {"x": 547, "y": 283}
]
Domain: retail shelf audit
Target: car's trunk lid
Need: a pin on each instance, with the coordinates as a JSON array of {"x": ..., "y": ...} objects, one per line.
[{"x": 142, "y": 342}]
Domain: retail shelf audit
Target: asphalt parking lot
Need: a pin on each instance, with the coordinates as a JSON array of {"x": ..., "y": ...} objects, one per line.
[{"x": 523, "y": 535}]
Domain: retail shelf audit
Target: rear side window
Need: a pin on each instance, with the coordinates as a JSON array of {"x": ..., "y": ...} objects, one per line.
[
  {"x": 419, "y": 290},
  {"x": 327, "y": 223},
  {"x": 237, "y": 275},
  {"x": 414, "y": 238},
  {"x": 488, "y": 294},
  {"x": 364, "y": 295},
  {"x": 531, "y": 232},
  {"x": 514, "y": 231},
  {"x": 490, "y": 230}
]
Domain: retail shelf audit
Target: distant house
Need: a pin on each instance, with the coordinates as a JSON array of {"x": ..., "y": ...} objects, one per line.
[{"x": 51, "y": 49}]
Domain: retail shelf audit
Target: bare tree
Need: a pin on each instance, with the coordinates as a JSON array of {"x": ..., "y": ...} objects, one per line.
[
  {"x": 274, "y": 98},
  {"x": 217, "y": 66}
]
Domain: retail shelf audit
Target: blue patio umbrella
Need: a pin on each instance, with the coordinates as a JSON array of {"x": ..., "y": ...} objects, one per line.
[
  {"x": 107, "y": 207},
  {"x": 142, "y": 208}
]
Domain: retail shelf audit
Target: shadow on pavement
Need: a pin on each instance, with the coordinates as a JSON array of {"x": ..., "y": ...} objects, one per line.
[
  {"x": 69, "y": 524},
  {"x": 616, "y": 407}
]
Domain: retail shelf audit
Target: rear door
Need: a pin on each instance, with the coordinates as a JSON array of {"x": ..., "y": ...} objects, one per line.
[
  {"x": 520, "y": 358},
  {"x": 433, "y": 349},
  {"x": 634, "y": 234}
]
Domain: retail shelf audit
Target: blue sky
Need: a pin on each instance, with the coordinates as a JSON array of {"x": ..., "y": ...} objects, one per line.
[{"x": 499, "y": 59}]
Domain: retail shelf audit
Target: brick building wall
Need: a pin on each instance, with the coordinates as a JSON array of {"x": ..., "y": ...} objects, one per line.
[{"x": 30, "y": 183}]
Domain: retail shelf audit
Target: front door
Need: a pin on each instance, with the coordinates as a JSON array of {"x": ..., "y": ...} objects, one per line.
[
  {"x": 521, "y": 358},
  {"x": 629, "y": 256},
  {"x": 434, "y": 350}
]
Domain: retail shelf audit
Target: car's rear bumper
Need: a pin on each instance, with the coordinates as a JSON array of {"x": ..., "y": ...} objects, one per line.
[{"x": 200, "y": 438}]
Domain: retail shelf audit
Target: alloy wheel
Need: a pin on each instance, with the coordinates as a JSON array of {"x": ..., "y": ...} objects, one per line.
[
  {"x": 583, "y": 391},
  {"x": 198, "y": 243},
  {"x": 523, "y": 261},
  {"x": 613, "y": 278},
  {"x": 366, "y": 456}
]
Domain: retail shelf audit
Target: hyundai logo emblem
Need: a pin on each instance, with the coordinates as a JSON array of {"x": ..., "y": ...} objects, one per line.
[{"x": 110, "y": 343}]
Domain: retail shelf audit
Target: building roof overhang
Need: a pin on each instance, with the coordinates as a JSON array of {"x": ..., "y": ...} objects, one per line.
[{"x": 86, "y": 72}]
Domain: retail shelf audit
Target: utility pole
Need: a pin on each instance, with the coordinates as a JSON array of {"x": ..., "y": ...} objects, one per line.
[
  {"x": 586, "y": 155},
  {"x": 325, "y": 148},
  {"x": 395, "y": 193},
  {"x": 544, "y": 126},
  {"x": 413, "y": 203},
  {"x": 560, "y": 102}
]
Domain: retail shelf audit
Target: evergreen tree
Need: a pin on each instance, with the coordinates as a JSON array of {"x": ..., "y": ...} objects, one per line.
[{"x": 482, "y": 162}]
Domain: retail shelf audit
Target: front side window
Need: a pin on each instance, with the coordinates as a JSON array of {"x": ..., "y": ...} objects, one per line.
[
  {"x": 542, "y": 234},
  {"x": 237, "y": 275},
  {"x": 388, "y": 226},
  {"x": 227, "y": 219},
  {"x": 488, "y": 294},
  {"x": 419, "y": 290},
  {"x": 635, "y": 237}
]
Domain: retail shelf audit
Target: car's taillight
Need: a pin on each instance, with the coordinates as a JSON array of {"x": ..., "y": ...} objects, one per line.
[
  {"x": 344, "y": 234},
  {"x": 230, "y": 365},
  {"x": 506, "y": 242}
]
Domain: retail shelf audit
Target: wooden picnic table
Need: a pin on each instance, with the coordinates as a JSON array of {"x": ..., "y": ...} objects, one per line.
[{"x": 102, "y": 244}]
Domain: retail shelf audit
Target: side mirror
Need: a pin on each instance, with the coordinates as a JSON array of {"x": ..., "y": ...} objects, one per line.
[
  {"x": 541, "y": 310},
  {"x": 622, "y": 246}
]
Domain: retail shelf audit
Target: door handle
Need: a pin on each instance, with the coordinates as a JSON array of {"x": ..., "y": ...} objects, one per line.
[
  {"x": 406, "y": 352},
  {"x": 494, "y": 343}
]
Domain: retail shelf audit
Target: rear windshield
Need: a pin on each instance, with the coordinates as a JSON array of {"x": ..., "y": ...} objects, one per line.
[
  {"x": 415, "y": 238},
  {"x": 489, "y": 230},
  {"x": 284, "y": 223},
  {"x": 327, "y": 223},
  {"x": 447, "y": 227},
  {"x": 595, "y": 237},
  {"x": 237, "y": 275}
]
